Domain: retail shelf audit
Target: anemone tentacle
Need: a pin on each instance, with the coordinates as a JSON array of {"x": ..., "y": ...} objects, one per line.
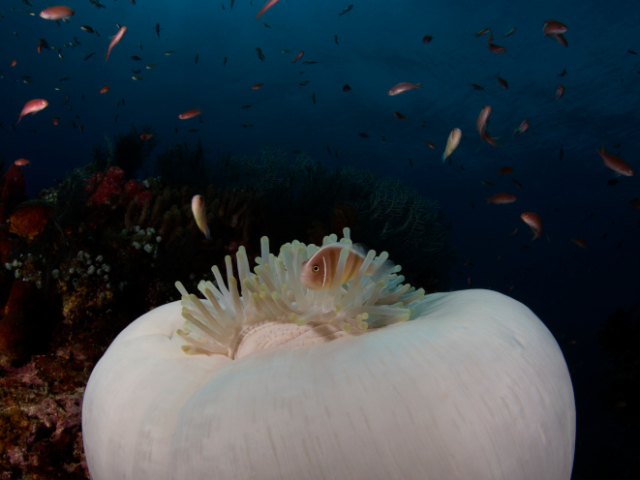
[{"x": 274, "y": 295}]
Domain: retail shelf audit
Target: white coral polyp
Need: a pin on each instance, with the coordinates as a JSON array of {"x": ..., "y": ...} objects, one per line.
[{"x": 273, "y": 297}]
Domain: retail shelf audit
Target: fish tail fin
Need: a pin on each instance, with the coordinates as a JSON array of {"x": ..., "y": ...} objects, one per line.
[
  {"x": 383, "y": 270},
  {"x": 536, "y": 234},
  {"x": 492, "y": 141}
]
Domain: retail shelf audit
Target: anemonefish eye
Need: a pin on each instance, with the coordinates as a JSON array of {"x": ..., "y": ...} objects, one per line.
[{"x": 316, "y": 268}]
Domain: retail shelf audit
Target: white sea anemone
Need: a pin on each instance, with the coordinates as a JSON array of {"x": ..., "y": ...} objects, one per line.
[
  {"x": 264, "y": 379},
  {"x": 272, "y": 301}
]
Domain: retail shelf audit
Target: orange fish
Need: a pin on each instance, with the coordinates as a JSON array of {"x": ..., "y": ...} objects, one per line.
[
  {"x": 200, "y": 215},
  {"x": 21, "y": 162},
  {"x": 505, "y": 171},
  {"x": 257, "y": 86},
  {"x": 559, "y": 92},
  {"x": 194, "y": 112},
  {"x": 14, "y": 63},
  {"x": 502, "y": 198},
  {"x": 105, "y": 89},
  {"x": 33, "y": 106},
  {"x": 524, "y": 126},
  {"x": 146, "y": 136},
  {"x": 56, "y": 120},
  {"x": 402, "y": 87},
  {"x": 481, "y": 123},
  {"x": 553, "y": 27},
  {"x": 427, "y": 38},
  {"x": 431, "y": 145},
  {"x": 452, "y": 143},
  {"x": 399, "y": 116},
  {"x": 267, "y": 6},
  {"x": 299, "y": 56},
  {"x": 346, "y": 88},
  {"x": 503, "y": 83},
  {"x": 493, "y": 47},
  {"x": 56, "y": 13},
  {"x": 615, "y": 163},
  {"x": 580, "y": 242},
  {"x": 534, "y": 222},
  {"x": 115, "y": 39},
  {"x": 318, "y": 272}
]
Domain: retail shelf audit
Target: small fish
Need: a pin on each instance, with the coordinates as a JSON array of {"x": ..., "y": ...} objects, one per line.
[
  {"x": 136, "y": 77},
  {"x": 140, "y": 45},
  {"x": 222, "y": 5},
  {"x": 399, "y": 116},
  {"x": 346, "y": 88},
  {"x": 61, "y": 56},
  {"x": 382, "y": 138},
  {"x": 505, "y": 171},
  {"x": 266, "y": 25},
  {"x": 345, "y": 10},
  {"x": 477, "y": 87},
  {"x": 169, "y": 52},
  {"x": 309, "y": 62},
  {"x": 231, "y": 5},
  {"x": 86, "y": 28},
  {"x": 313, "y": 97},
  {"x": 260, "y": 54},
  {"x": 427, "y": 38},
  {"x": 503, "y": 83},
  {"x": 335, "y": 39},
  {"x": 117, "y": 115},
  {"x": 635, "y": 203},
  {"x": 481, "y": 123},
  {"x": 302, "y": 84},
  {"x": 42, "y": 44},
  {"x": 246, "y": 106},
  {"x": 517, "y": 183},
  {"x": 200, "y": 215},
  {"x": 55, "y": 120},
  {"x": 502, "y": 198},
  {"x": 105, "y": 89},
  {"x": 559, "y": 92},
  {"x": 224, "y": 62},
  {"x": 266, "y": 7},
  {"x": 196, "y": 59},
  {"x": 510, "y": 32},
  {"x": 410, "y": 161},
  {"x": 553, "y": 27},
  {"x": 402, "y": 87},
  {"x": 114, "y": 41},
  {"x": 562, "y": 74},
  {"x": 319, "y": 271},
  {"x": 284, "y": 51},
  {"x": 493, "y": 47},
  {"x": 329, "y": 150},
  {"x": 56, "y": 13},
  {"x": 76, "y": 41},
  {"x": 482, "y": 32},
  {"x": 524, "y": 126},
  {"x": 21, "y": 162},
  {"x": 158, "y": 29},
  {"x": 151, "y": 65},
  {"x": 298, "y": 57},
  {"x": 363, "y": 135},
  {"x": 194, "y": 112},
  {"x": 561, "y": 153},
  {"x": 66, "y": 100},
  {"x": 452, "y": 143},
  {"x": 136, "y": 71},
  {"x": 146, "y": 136},
  {"x": 257, "y": 86},
  {"x": 535, "y": 223},
  {"x": 193, "y": 130},
  {"x": 615, "y": 163},
  {"x": 431, "y": 145},
  {"x": 63, "y": 79},
  {"x": 559, "y": 38},
  {"x": 632, "y": 52},
  {"x": 136, "y": 58},
  {"x": 32, "y": 107},
  {"x": 89, "y": 56},
  {"x": 245, "y": 125}
]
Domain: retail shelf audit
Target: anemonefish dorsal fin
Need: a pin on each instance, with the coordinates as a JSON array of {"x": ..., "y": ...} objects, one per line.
[
  {"x": 360, "y": 248},
  {"x": 383, "y": 270}
]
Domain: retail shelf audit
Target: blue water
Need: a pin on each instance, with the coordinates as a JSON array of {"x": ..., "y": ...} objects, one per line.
[{"x": 379, "y": 45}]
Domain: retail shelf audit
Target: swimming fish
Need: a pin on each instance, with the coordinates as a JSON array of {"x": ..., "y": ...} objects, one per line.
[
  {"x": 86, "y": 28},
  {"x": 399, "y": 116},
  {"x": 553, "y": 27},
  {"x": 200, "y": 215},
  {"x": 89, "y": 56},
  {"x": 477, "y": 87},
  {"x": 534, "y": 222},
  {"x": 482, "y": 32},
  {"x": 33, "y": 106},
  {"x": 502, "y": 81},
  {"x": 452, "y": 143},
  {"x": 427, "y": 38},
  {"x": 194, "y": 112},
  {"x": 346, "y": 88},
  {"x": 502, "y": 198},
  {"x": 146, "y": 136},
  {"x": 335, "y": 39},
  {"x": 299, "y": 56},
  {"x": 105, "y": 89},
  {"x": 21, "y": 162},
  {"x": 402, "y": 87},
  {"x": 318, "y": 272},
  {"x": 505, "y": 171},
  {"x": 56, "y": 13},
  {"x": 257, "y": 86},
  {"x": 260, "y": 54},
  {"x": 114, "y": 41},
  {"x": 615, "y": 163},
  {"x": 158, "y": 29},
  {"x": 348, "y": 9},
  {"x": 493, "y": 47},
  {"x": 266, "y": 7},
  {"x": 559, "y": 92},
  {"x": 524, "y": 126},
  {"x": 510, "y": 32},
  {"x": 481, "y": 123}
]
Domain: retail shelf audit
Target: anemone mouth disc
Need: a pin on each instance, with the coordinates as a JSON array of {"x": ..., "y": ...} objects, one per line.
[{"x": 273, "y": 308}]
